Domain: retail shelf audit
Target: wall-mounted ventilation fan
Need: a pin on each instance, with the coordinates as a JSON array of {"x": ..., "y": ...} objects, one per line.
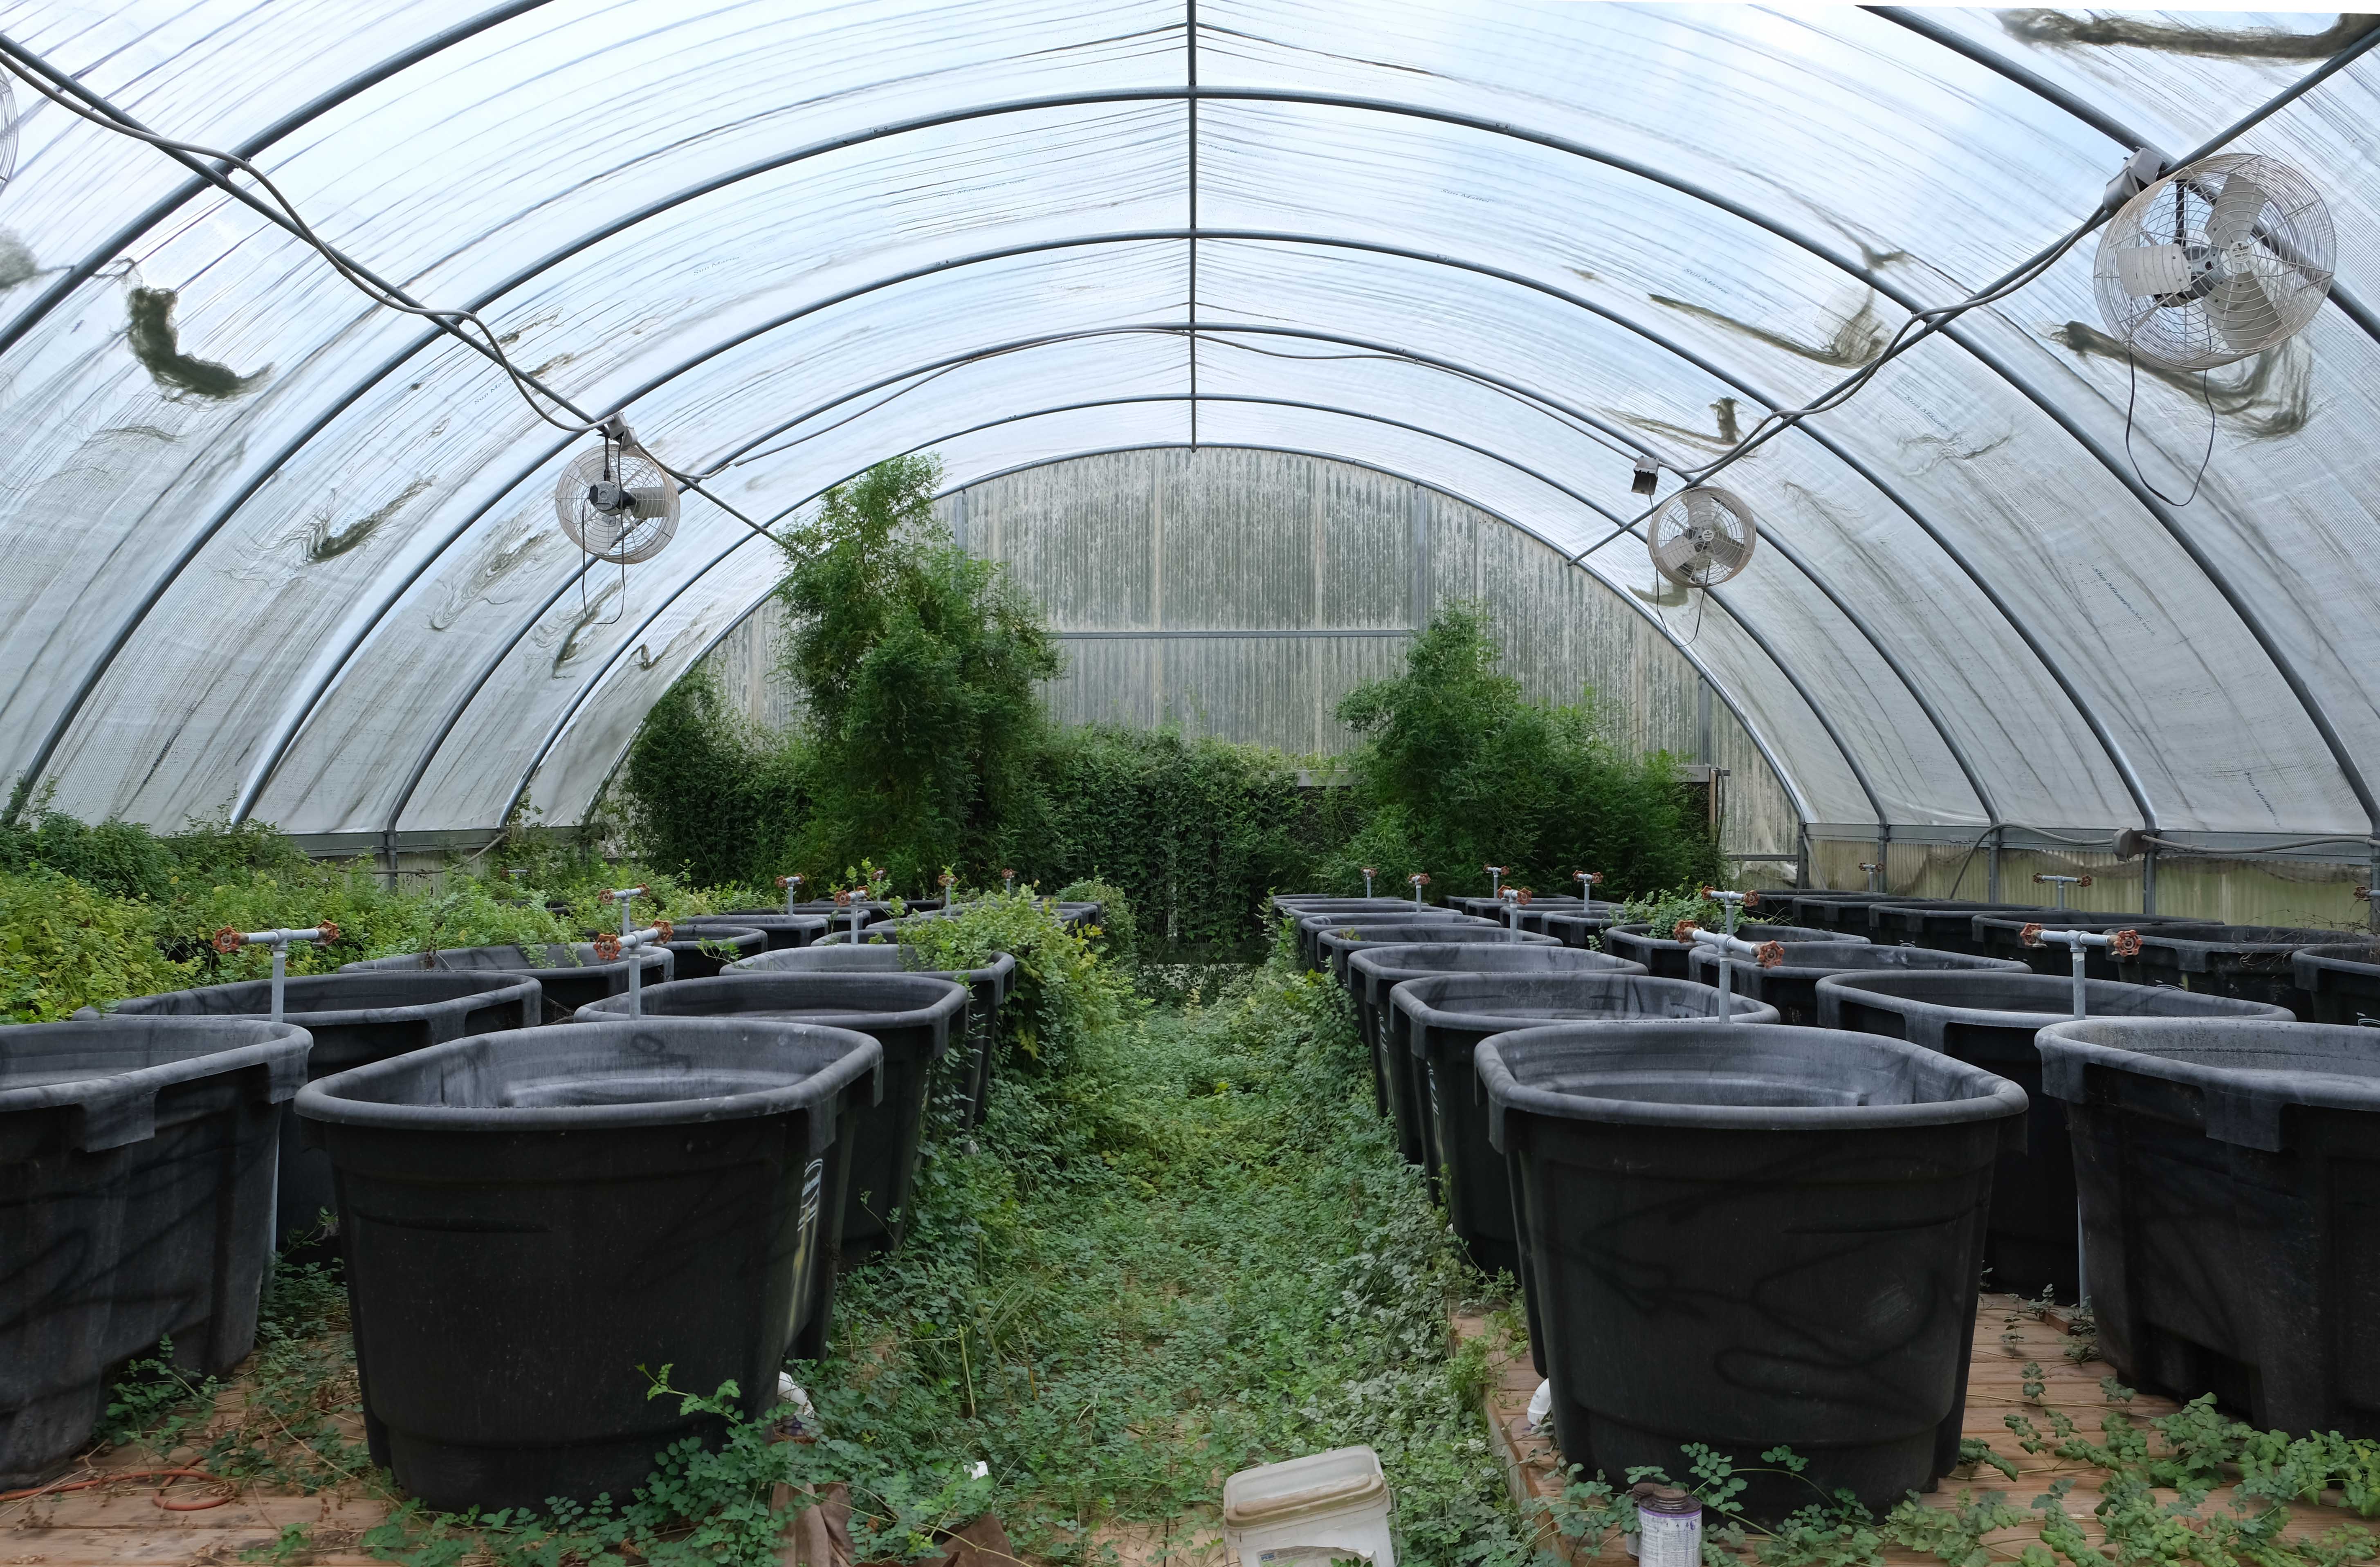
[
  {"x": 2216, "y": 261},
  {"x": 1702, "y": 537},
  {"x": 616, "y": 502},
  {"x": 7, "y": 131}
]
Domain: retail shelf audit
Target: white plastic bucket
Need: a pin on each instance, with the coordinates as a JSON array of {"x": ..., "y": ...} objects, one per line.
[{"x": 1309, "y": 1510}]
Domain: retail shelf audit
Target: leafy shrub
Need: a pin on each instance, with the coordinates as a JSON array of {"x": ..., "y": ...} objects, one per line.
[
  {"x": 1459, "y": 771},
  {"x": 920, "y": 665},
  {"x": 1196, "y": 830},
  {"x": 709, "y": 796},
  {"x": 64, "y": 945}
]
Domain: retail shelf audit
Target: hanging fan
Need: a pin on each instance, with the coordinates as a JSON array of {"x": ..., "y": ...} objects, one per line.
[
  {"x": 7, "y": 131},
  {"x": 615, "y": 501},
  {"x": 1702, "y": 537},
  {"x": 2216, "y": 261}
]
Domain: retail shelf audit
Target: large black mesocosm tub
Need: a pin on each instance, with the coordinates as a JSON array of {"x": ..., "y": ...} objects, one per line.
[
  {"x": 1752, "y": 1237},
  {"x": 354, "y": 1019},
  {"x": 2230, "y": 1175},
  {"x": 1444, "y": 1017},
  {"x": 1376, "y": 968},
  {"x": 913, "y": 1016},
  {"x": 136, "y": 1196},
  {"x": 570, "y": 974},
  {"x": 987, "y": 990},
  {"x": 1989, "y": 1020},
  {"x": 530, "y": 1217}
]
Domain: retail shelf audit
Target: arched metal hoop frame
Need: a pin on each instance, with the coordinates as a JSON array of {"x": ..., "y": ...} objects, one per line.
[{"x": 1191, "y": 95}]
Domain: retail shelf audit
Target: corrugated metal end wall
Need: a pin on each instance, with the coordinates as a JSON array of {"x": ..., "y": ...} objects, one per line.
[{"x": 1242, "y": 593}]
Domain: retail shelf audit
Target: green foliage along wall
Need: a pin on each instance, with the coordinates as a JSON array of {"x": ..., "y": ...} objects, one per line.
[{"x": 922, "y": 745}]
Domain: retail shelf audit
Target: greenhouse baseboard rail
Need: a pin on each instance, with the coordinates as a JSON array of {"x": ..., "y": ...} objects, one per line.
[{"x": 2342, "y": 850}]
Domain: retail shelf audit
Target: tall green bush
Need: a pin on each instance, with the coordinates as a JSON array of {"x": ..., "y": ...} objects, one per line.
[
  {"x": 707, "y": 795},
  {"x": 1195, "y": 832},
  {"x": 920, "y": 665},
  {"x": 1459, "y": 771}
]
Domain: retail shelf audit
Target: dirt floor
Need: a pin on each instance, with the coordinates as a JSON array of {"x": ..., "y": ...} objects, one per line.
[
  {"x": 133, "y": 1518},
  {"x": 1995, "y": 1390}
]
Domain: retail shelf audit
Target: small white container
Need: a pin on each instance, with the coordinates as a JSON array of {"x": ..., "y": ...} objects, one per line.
[{"x": 1310, "y": 1510}]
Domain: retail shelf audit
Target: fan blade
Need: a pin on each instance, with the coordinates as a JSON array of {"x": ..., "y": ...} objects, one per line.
[
  {"x": 2240, "y": 311},
  {"x": 2234, "y": 212},
  {"x": 2147, "y": 271}
]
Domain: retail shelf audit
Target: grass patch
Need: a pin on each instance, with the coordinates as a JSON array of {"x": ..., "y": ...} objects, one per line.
[{"x": 1191, "y": 1250}]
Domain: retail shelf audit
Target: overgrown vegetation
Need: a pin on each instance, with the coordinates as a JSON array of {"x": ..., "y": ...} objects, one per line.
[
  {"x": 1183, "y": 1242},
  {"x": 89, "y": 915},
  {"x": 1459, "y": 771},
  {"x": 923, "y": 745}
]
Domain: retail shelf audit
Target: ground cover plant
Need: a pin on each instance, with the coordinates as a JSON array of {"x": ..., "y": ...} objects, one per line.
[
  {"x": 1181, "y": 1243},
  {"x": 91, "y": 914},
  {"x": 922, "y": 744}
]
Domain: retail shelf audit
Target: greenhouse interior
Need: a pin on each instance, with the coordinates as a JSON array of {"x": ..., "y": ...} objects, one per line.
[{"x": 1236, "y": 782}]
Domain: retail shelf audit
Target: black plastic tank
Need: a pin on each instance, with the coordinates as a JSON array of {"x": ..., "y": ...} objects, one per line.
[
  {"x": 1311, "y": 926},
  {"x": 1752, "y": 1237},
  {"x": 1331, "y": 946},
  {"x": 1667, "y": 959},
  {"x": 2341, "y": 983},
  {"x": 354, "y": 1019},
  {"x": 569, "y": 975},
  {"x": 1989, "y": 1020},
  {"x": 2002, "y": 935},
  {"x": 535, "y": 1221},
  {"x": 1793, "y": 986},
  {"x": 783, "y": 931},
  {"x": 2253, "y": 962},
  {"x": 1944, "y": 924},
  {"x": 699, "y": 954},
  {"x": 913, "y": 1016},
  {"x": 1843, "y": 912},
  {"x": 136, "y": 1203},
  {"x": 2229, "y": 1174},
  {"x": 1583, "y": 926},
  {"x": 987, "y": 990},
  {"x": 1443, "y": 1018},
  {"x": 1376, "y": 968}
]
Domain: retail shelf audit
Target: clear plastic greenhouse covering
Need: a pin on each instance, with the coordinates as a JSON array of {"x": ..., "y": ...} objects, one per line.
[{"x": 272, "y": 547}]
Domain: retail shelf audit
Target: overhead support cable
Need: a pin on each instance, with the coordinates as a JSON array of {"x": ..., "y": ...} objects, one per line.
[
  {"x": 2132, "y": 140},
  {"x": 627, "y": 220},
  {"x": 1451, "y": 118},
  {"x": 124, "y": 239}
]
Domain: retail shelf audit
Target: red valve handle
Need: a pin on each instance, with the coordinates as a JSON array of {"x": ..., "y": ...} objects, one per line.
[
  {"x": 2124, "y": 943},
  {"x": 607, "y": 947},
  {"x": 1772, "y": 954},
  {"x": 2031, "y": 934},
  {"x": 226, "y": 940}
]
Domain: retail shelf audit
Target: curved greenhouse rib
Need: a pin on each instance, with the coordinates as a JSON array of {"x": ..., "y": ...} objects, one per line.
[
  {"x": 124, "y": 239},
  {"x": 2290, "y": 676},
  {"x": 2111, "y": 127},
  {"x": 1784, "y": 778},
  {"x": 64, "y": 721},
  {"x": 293, "y": 722},
  {"x": 488, "y": 667}
]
